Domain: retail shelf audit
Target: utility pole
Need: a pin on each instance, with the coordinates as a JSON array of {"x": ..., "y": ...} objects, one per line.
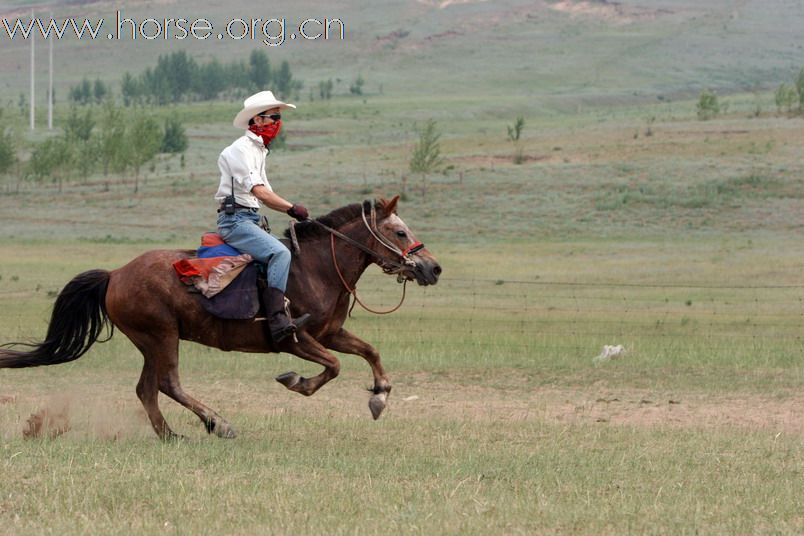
[
  {"x": 50, "y": 84},
  {"x": 33, "y": 56}
]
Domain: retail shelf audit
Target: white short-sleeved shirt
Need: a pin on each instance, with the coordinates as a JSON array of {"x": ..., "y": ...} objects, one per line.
[{"x": 243, "y": 160}]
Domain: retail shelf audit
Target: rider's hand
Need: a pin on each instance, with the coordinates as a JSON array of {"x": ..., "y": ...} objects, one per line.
[{"x": 298, "y": 211}]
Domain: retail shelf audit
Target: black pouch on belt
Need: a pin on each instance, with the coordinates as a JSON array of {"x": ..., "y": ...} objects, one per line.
[{"x": 229, "y": 203}]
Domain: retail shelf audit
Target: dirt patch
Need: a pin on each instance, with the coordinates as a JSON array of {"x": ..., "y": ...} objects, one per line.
[
  {"x": 635, "y": 408},
  {"x": 47, "y": 422},
  {"x": 441, "y": 4},
  {"x": 624, "y": 407},
  {"x": 496, "y": 159},
  {"x": 442, "y": 35},
  {"x": 421, "y": 396},
  {"x": 709, "y": 132},
  {"x": 389, "y": 40},
  {"x": 84, "y": 416},
  {"x": 612, "y": 12}
]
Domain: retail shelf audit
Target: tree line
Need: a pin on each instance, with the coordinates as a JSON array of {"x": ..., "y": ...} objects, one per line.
[
  {"x": 110, "y": 138},
  {"x": 789, "y": 98},
  {"x": 177, "y": 77},
  {"x": 87, "y": 92},
  {"x": 107, "y": 139}
]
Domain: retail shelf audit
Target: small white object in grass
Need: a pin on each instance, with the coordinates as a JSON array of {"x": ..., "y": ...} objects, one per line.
[
  {"x": 609, "y": 352},
  {"x": 410, "y": 398}
]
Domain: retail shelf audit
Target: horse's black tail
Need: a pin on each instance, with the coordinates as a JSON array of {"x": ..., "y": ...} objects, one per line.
[{"x": 79, "y": 316}]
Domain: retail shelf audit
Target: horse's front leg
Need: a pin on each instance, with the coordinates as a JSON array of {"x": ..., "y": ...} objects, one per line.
[{"x": 345, "y": 342}]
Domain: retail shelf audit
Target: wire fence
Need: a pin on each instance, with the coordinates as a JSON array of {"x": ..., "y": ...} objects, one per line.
[
  {"x": 532, "y": 315},
  {"x": 529, "y": 315}
]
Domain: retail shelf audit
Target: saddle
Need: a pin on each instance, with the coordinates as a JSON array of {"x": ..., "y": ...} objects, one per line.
[{"x": 224, "y": 279}]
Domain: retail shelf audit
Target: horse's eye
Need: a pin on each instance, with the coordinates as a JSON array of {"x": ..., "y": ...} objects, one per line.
[{"x": 401, "y": 234}]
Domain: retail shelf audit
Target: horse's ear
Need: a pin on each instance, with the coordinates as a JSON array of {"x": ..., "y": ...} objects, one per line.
[{"x": 389, "y": 207}]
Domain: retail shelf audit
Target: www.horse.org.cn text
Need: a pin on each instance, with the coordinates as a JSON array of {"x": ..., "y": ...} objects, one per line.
[{"x": 269, "y": 31}]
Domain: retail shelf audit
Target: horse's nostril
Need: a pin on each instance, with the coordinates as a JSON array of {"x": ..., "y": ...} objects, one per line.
[{"x": 437, "y": 270}]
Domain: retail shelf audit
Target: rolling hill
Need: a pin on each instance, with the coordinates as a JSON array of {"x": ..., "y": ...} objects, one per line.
[{"x": 563, "y": 52}]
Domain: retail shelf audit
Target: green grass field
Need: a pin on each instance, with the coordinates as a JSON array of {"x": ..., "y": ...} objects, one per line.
[
  {"x": 499, "y": 420},
  {"x": 627, "y": 222}
]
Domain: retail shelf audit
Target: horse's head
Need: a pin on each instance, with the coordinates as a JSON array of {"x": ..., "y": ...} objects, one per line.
[{"x": 393, "y": 236}]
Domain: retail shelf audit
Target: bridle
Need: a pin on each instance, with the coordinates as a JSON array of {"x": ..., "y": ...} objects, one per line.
[
  {"x": 388, "y": 266},
  {"x": 403, "y": 254}
]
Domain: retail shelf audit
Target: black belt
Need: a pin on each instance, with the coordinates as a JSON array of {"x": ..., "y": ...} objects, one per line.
[{"x": 240, "y": 207}]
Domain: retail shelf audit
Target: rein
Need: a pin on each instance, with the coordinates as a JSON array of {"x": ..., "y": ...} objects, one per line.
[
  {"x": 392, "y": 265},
  {"x": 388, "y": 266},
  {"x": 353, "y": 291}
]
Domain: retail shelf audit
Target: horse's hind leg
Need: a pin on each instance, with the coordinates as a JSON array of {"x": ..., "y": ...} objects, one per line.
[
  {"x": 148, "y": 393},
  {"x": 170, "y": 385},
  {"x": 161, "y": 373}
]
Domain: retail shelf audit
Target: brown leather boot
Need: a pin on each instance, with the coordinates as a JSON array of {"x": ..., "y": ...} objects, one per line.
[{"x": 279, "y": 324}]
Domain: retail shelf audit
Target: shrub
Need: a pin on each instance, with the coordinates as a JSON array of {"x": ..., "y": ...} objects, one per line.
[
  {"x": 786, "y": 97},
  {"x": 708, "y": 106},
  {"x": 427, "y": 153},
  {"x": 515, "y": 131},
  {"x": 357, "y": 87},
  {"x": 175, "y": 139},
  {"x": 8, "y": 154}
]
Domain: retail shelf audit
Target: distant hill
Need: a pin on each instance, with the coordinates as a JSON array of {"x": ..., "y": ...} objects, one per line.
[{"x": 574, "y": 50}]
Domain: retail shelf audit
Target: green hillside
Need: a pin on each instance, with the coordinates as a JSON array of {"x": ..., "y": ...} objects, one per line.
[
  {"x": 551, "y": 51},
  {"x": 611, "y": 146}
]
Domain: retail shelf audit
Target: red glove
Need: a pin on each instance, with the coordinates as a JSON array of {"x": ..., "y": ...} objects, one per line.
[{"x": 298, "y": 211}]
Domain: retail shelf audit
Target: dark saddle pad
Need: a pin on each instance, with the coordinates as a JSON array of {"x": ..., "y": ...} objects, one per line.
[{"x": 240, "y": 300}]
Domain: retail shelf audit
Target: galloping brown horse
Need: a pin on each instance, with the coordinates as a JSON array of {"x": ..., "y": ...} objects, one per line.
[{"x": 147, "y": 302}]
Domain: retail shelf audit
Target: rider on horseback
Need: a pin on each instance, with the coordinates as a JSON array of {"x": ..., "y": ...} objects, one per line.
[{"x": 243, "y": 185}]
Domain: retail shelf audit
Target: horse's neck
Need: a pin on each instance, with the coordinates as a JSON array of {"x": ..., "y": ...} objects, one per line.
[{"x": 351, "y": 260}]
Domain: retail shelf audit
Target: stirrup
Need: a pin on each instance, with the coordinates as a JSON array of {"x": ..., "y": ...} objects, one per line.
[
  {"x": 283, "y": 333},
  {"x": 293, "y": 326},
  {"x": 299, "y": 322}
]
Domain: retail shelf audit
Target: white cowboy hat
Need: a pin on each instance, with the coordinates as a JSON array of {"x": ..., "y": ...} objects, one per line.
[{"x": 259, "y": 102}]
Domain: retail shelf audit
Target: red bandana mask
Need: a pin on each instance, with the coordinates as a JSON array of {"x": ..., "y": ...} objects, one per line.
[{"x": 267, "y": 132}]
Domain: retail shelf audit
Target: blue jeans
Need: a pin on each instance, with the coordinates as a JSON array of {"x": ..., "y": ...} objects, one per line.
[{"x": 241, "y": 230}]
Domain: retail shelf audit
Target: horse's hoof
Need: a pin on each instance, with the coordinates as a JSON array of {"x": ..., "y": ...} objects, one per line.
[
  {"x": 377, "y": 404},
  {"x": 174, "y": 437},
  {"x": 288, "y": 379},
  {"x": 224, "y": 430}
]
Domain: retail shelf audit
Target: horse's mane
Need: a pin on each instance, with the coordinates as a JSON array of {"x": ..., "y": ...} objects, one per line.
[{"x": 306, "y": 230}]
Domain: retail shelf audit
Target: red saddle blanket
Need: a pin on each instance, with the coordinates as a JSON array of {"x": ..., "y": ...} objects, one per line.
[
  {"x": 226, "y": 278},
  {"x": 215, "y": 266}
]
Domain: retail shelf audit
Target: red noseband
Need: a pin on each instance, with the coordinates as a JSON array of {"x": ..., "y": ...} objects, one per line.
[{"x": 414, "y": 248}]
